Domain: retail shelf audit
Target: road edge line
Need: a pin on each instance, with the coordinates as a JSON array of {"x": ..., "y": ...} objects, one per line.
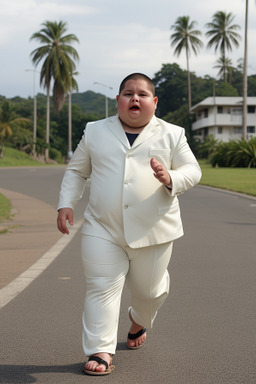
[{"x": 15, "y": 287}]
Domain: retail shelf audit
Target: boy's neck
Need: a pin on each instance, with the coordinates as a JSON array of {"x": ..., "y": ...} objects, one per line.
[{"x": 129, "y": 129}]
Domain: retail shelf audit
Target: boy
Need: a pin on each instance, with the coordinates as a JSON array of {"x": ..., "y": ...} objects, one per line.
[{"x": 138, "y": 165}]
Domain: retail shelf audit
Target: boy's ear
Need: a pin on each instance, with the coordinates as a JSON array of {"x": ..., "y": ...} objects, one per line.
[
  {"x": 155, "y": 100},
  {"x": 117, "y": 98}
]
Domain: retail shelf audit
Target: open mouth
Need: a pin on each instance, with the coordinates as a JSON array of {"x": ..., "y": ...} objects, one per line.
[{"x": 134, "y": 108}]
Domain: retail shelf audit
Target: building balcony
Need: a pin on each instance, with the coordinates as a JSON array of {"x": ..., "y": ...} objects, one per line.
[{"x": 227, "y": 120}]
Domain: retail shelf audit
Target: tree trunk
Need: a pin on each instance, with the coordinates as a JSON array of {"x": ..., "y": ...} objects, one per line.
[
  {"x": 189, "y": 85},
  {"x": 2, "y": 148},
  {"x": 47, "y": 140},
  {"x": 245, "y": 75},
  {"x": 69, "y": 126}
]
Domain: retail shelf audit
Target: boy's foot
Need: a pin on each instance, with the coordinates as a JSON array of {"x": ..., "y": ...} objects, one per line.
[
  {"x": 137, "y": 334},
  {"x": 99, "y": 364}
]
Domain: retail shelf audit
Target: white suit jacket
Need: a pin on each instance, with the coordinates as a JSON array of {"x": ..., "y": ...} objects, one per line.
[{"x": 124, "y": 194}]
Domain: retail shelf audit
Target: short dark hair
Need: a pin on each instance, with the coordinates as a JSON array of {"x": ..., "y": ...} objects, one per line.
[{"x": 137, "y": 76}]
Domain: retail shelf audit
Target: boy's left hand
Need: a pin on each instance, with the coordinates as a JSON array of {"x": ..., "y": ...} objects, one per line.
[{"x": 160, "y": 172}]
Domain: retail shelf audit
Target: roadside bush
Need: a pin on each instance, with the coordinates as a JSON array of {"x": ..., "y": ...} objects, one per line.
[
  {"x": 56, "y": 155},
  {"x": 208, "y": 147},
  {"x": 240, "y": 154}
]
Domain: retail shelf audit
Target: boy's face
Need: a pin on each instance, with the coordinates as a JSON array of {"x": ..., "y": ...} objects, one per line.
[{"x": 136, "y": 104}]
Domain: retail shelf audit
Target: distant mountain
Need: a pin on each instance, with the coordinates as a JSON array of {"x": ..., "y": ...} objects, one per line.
[{"x": 91, "y": 102}]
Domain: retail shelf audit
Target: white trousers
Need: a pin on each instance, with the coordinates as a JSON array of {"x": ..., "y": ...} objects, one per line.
[{"x": 107, "y": 266}]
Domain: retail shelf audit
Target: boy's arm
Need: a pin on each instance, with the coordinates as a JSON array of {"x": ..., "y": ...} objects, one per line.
[
  {"x": 77, "y": 171},
  {"x": 185, "y": 171}
]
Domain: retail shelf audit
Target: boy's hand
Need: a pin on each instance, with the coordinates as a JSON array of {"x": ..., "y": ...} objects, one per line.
[
  {"x": 65, "y": 214},
  {"x": 160, "y": 172}
]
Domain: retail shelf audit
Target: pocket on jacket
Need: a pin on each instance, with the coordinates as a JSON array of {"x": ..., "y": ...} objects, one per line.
[
  {"x": 162, "y": 155},
  {"x": 155, "y": 152}
]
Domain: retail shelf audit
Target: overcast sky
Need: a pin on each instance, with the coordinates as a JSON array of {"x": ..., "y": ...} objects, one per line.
[{"x": 117, "y": 37}]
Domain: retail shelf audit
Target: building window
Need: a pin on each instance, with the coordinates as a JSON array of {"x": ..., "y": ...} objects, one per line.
[
  {"x": 238, "y": 130},
  {"x": 220, "y": 130},
  {"x": 236, "y": 111},
  {"x": 220, "y": 109},
  {"x": 250, "y": 129},
  {"x": 251, "y": 109}
]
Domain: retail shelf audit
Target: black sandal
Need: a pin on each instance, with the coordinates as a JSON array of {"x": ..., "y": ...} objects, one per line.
[
  {"x": 109, "y": 368},
  {"x": 133, "y": 336}
]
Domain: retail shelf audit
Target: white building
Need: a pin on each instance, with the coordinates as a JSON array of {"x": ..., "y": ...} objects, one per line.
[{"x": 222, "y": 117}]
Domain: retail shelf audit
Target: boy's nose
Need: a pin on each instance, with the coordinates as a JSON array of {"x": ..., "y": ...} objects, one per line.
[{"x": 135, "y": 98}]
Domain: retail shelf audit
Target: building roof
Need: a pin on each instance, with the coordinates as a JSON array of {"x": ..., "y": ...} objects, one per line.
[{"x": 223, "y": 101}]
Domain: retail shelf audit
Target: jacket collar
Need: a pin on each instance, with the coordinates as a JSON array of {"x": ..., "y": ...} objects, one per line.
[{"x": 116, "y": 127}]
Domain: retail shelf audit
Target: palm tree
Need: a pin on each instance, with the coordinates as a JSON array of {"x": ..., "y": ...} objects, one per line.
[
  {"x": 224, "y": 64},
  {"x": 7, "y": 119},
  {"x": 222, "y": 33},
  {"x": 58, "y": 63},
  {"x": 186, "y": 38}
]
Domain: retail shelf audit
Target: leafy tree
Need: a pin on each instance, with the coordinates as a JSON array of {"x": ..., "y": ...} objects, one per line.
[
  {"x": 222, "y": 33},
  {"x": 171, "y": 88},
  {"x": 225, "y": 89},
  {"x": 186, "y": 38},
  {"x": 7, "y": 120},
  {"x": 58, "y": 63}
]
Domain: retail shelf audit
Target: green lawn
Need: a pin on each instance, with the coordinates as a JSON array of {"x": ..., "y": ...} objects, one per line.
[{"x": 241, "y": 180}]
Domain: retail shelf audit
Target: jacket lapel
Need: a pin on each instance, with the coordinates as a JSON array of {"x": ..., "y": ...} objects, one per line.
[
  {"x": 147, "y": 132},
  {"x": 117, "y": 129}
]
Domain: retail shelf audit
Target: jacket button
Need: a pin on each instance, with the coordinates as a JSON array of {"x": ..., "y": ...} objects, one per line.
[{"x": 125, "y": 206}]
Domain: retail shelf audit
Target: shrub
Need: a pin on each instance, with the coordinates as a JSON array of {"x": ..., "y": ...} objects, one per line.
[
  {"x": 240, "y": 154},
  {"x": 56, "y": 155}
]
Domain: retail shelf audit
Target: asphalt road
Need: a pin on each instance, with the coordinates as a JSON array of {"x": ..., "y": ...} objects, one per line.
[{"x": 204, "y": 334}]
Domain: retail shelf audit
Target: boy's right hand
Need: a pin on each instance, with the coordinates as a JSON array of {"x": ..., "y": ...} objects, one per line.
[{"x": 65, "y": 214}]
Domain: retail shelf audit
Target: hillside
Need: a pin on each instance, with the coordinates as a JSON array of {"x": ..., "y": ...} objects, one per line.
[{"x": 89, "y": 102}]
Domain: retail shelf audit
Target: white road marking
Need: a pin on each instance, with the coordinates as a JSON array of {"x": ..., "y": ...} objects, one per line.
[{"x": 10, "y": 291}]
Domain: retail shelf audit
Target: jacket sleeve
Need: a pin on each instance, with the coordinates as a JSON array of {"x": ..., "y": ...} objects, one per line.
[
  {"x": 185, "y": 172},
  {"x": 76, "y": 174}
]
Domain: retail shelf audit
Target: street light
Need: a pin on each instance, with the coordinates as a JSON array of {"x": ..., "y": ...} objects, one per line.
[
  {"x": 106, "y": 98},
  {"x": 35, "y": 114}
]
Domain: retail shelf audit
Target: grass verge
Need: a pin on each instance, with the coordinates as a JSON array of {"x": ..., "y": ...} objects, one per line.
[
  {"x": 14, "y": 158},
  {"x": 5, "y": 208},
  {"x": 5, "y": 213},
  {"x": 242, "y": 180}
]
